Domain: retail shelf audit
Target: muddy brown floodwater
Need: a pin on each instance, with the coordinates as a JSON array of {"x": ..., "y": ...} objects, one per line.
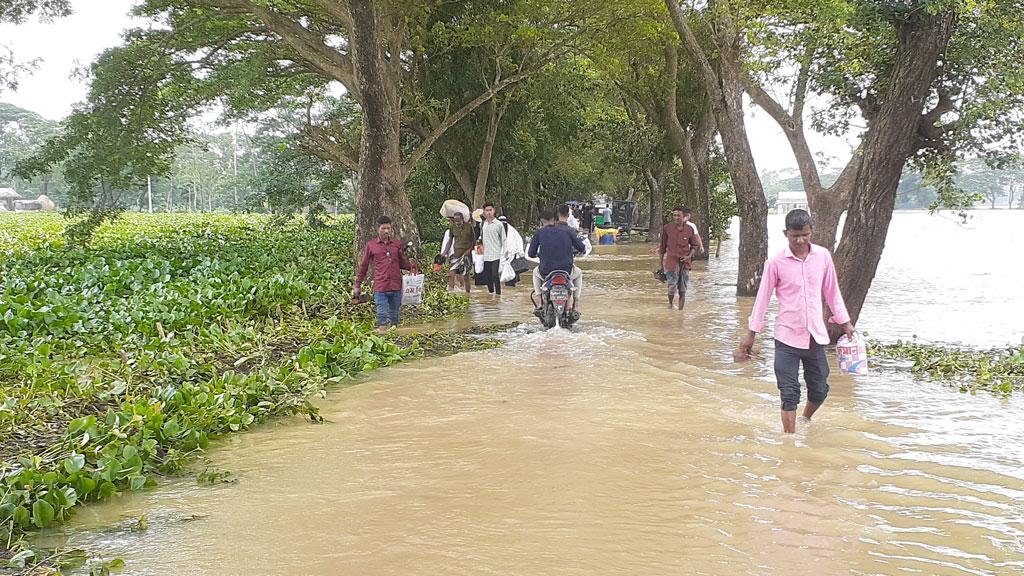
[{"x": 631, "y": 446}]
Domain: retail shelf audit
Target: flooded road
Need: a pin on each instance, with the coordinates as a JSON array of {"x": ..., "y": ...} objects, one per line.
[{"x": 632, "y": 445}]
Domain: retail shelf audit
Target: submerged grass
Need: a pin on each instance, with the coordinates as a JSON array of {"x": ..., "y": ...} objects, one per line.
[
  {"x": 1000, "y": 371},
  {"x": 447, "y": 343},
  {"x": 121, "y": 360}
]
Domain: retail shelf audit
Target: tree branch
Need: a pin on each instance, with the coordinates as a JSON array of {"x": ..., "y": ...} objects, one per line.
[
  {"x": 306, "y": 43},
  {"x": 802, "y": 81},
  {"x": 794, "y": 130},
  {"x": 336, "y": 10},
  {"x": 689, "y": 39},
  {"x": 677, "y": 135},
  {"x": 929, "y": 128},
  {"x": 328, "y": 148},
  {"x": 705, "y": 133},
  {"x": 769, "y": 104},
  {"x": 843, "y": 186},
  {"x": 450, "y": 120}
]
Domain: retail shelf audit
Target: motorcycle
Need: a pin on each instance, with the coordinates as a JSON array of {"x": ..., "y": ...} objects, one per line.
[{"x": 557, "y": 306}]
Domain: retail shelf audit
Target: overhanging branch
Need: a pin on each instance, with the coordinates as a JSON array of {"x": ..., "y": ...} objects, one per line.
[
  {"x": 306, "y": 43},
  {"x": 450, "y": 120},
  {"x": 328, "y": 149}
]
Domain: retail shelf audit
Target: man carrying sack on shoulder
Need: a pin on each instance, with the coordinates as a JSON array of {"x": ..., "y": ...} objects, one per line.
[{"x": 461, "y": 241}]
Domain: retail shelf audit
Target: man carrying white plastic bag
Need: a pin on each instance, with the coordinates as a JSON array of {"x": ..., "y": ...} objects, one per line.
[
  {"x": 386, "y": 254},
  {"x": 801, "y": 276}
]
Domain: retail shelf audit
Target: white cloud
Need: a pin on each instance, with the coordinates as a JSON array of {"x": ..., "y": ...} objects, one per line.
[{"x": 62, "y": 46}]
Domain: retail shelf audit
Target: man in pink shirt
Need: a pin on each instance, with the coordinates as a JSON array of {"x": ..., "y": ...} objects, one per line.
[{"x": 800, "y": 275}]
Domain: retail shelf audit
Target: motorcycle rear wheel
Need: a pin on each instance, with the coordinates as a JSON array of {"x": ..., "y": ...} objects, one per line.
[{"x": 549, "y": 316}]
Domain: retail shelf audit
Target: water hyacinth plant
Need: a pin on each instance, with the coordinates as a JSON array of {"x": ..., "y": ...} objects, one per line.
[
  {"x": 121, "y": 359},
  {"x": 1000, "y": 371}
]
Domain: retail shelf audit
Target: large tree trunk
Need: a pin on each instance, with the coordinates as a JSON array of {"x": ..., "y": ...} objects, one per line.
[
  {"x": 381, "y": 189},
  {"x": 483, "y": 169},
  {"x": 692, "y": 146},
  {"x": 655, "y": 180},
  {"x": 891, "y": 138},
  {"x": 698, "y": 149},
  {"x": 725, "y": 89},
  {"x": 753, "y": 208}
]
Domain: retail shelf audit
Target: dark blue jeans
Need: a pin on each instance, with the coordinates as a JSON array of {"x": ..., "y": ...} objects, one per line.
[
  {"x": 388, "y": 305},
  {"x": 787, "y": 373}
]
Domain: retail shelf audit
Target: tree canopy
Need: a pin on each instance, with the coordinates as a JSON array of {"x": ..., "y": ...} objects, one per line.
[{"x": 388, "y": 106}]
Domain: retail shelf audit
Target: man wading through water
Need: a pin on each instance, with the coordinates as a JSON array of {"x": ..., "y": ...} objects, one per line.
[
  {"x": 492, "y": 233},
  {"x": 388, "y": 262},
  {"x": 679, "y": 241},
  {"x": 462, "y": 239},
  {"x": 800, "y": 275}
]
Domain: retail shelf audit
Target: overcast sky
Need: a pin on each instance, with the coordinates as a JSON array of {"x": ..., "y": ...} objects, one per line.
[{"x": 73, "y": 42}]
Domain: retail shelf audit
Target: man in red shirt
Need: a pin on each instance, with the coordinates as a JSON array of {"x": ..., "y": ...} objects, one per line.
[
  {"x": 388, "y": 262},
  {"x": 679, "y": 241}
]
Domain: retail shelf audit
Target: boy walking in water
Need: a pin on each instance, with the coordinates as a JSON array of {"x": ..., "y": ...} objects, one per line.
[{"x": 800, "y": 275}]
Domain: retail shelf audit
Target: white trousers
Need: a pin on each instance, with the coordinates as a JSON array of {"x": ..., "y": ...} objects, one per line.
[{"x": 576, "y": 277}]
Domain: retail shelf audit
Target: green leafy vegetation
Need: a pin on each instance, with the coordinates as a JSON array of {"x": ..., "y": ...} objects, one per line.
[
  {"x": 1000, "y": 371},
  {"x": 123, "y": 358}
]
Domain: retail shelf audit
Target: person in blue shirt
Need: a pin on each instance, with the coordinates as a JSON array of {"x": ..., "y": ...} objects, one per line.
[{"x": 556, "y": 246}]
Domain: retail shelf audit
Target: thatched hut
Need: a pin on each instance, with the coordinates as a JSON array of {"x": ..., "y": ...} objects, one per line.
[{"x": 9, "y": 199}]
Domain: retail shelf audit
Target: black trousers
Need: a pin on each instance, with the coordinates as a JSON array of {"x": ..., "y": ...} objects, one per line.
[
  {"x": 787, "y": 373},
  {"x": 493, "y": 275}
]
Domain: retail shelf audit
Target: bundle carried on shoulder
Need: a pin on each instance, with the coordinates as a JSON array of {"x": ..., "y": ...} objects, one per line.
[{"x": 452, "y": 207}]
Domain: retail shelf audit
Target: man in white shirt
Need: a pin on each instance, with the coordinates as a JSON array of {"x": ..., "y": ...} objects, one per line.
[
  {"x": 492, "y": 233},
  {"x": 572, "y": 221},
  {"x": 686, "y": 218},
  {"x": 565, "y": 216}
]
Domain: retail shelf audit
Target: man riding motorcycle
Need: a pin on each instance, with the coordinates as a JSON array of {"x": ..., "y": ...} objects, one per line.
[{"x": 556, "y": 245}]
